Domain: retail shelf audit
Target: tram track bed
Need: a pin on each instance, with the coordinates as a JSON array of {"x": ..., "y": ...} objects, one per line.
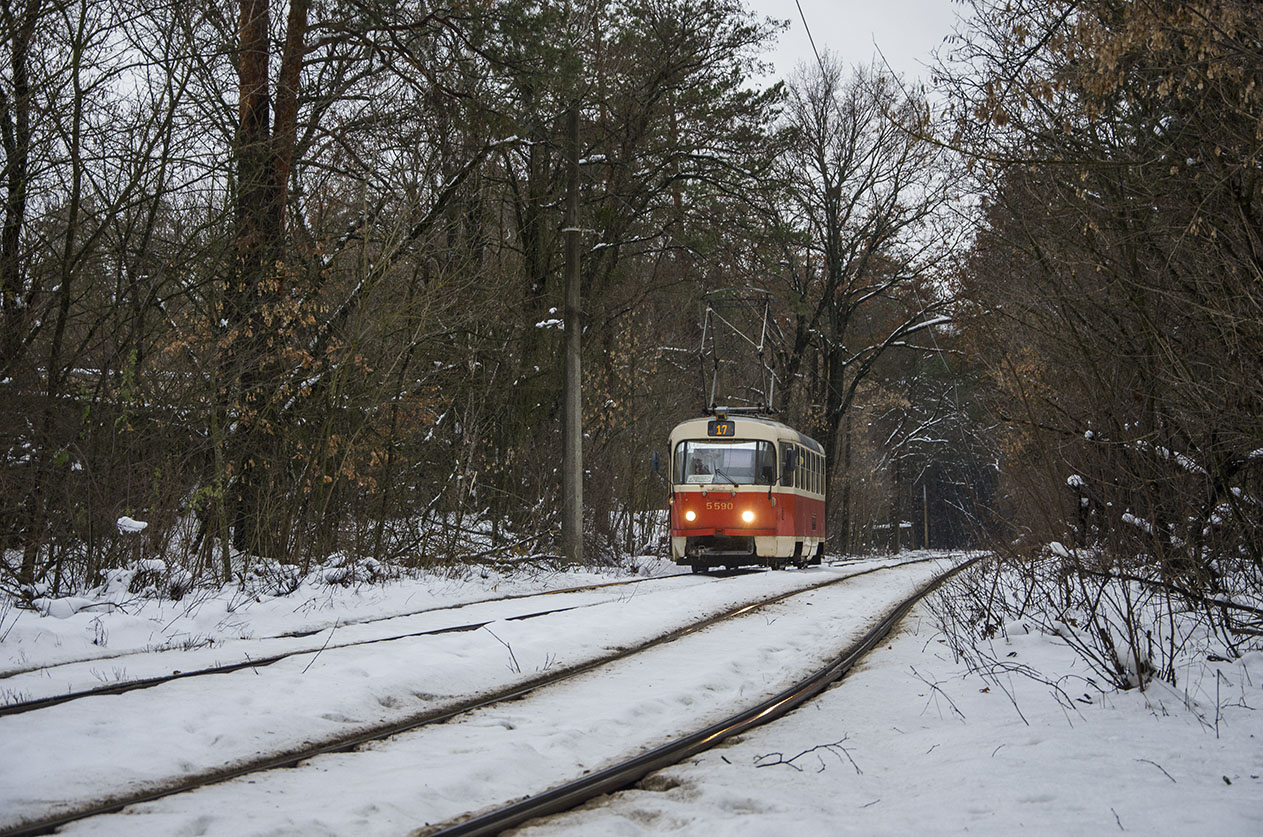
[
  {"x": 128, "y": 744},
  {"x": 119, "y": 626},
  {"x": 73, "y": 679},
  {"x": 916, "y": 740},
  {"x": 31, "y": 687}
]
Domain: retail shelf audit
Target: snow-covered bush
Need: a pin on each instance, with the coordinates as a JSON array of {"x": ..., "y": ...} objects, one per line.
[
  {"x": 266, "y": 577},
  {"x": 346, "y": 570},
  {"x": 1128, "y": 629}
]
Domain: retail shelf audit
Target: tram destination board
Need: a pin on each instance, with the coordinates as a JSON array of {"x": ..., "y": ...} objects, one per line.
[{"x": 721, "y": 427}]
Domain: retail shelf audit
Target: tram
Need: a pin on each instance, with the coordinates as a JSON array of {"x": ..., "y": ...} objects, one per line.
[{"x": 746, "y": 490}]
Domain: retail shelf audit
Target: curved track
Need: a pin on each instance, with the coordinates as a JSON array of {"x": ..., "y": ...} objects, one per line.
[
  {"x": 627, "y": 773},
  {"x": 271, "y": 761}
]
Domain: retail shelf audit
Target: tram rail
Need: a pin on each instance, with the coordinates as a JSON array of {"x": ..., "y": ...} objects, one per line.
[{"x": 600, "y": 781}]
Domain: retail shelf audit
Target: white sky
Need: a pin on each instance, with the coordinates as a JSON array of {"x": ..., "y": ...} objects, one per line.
[{"x": 905, "y": 31}]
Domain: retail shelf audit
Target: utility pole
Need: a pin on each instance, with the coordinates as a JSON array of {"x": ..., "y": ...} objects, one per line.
[
  {"x": 925, "y": 516},
  {"x": 572, "y": 396}
]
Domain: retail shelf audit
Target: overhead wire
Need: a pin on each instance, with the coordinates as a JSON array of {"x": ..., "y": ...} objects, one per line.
[{"x": 810, "y": 39}]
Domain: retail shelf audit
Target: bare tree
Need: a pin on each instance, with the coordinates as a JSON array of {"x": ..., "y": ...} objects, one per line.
[
  {"x": 272, "y": 275},
  {"x": 867, "y": 194}
]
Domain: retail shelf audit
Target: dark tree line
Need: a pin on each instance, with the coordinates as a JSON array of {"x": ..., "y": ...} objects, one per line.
[
  {"x": 1115, "y": 297},
  {"x": 285, "y": 280}
]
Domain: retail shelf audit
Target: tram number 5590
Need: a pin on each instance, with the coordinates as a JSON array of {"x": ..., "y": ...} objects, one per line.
[{"x": 715, "y": 505}]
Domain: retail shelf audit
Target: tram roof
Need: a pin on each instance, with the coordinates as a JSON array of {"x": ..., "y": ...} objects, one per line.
[{"x": 748, "y": 427}]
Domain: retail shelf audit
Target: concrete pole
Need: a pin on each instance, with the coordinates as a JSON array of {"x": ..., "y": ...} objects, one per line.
[
  {"x": 572, "y": 456},
  {"x": 925, "y": 516}
]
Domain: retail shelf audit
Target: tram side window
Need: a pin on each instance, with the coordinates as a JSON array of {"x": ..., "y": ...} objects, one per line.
[{"x": 766, "y": 464}]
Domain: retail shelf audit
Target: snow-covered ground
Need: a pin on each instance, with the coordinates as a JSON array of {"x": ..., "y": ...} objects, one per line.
[
  {"x": 910, "y": 741},
  {"x": 195, "y": 726},
  {"x": 114, "y": 621}
]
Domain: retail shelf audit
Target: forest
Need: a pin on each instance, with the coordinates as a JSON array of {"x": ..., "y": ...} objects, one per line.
[{"x": 286, "y": 282}]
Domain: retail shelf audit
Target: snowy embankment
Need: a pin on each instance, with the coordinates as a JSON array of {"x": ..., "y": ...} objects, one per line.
[
  {"x": 914, "y": 742},
  {"x": 114, "y": 621}
]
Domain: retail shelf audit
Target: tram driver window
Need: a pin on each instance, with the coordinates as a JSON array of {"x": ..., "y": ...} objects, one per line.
[{"x": 731, "y": 461}]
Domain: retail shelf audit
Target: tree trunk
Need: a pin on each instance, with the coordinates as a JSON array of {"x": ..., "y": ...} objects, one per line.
[
  {"x": 264, "y": 161},
  {"x": 15, "y": 132}
]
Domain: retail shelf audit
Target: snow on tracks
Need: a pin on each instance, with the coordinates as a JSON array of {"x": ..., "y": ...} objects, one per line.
[{"x": 128, "y": 743}]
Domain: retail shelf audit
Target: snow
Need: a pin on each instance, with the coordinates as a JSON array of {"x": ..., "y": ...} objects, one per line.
[
  {"x": 127, "y": 526},
  {"x": 254, "y": 611},
  {"x": 1060, "y": 550},
  {"x": 930, "y": 323},
  {"x": 1138, "y": 522},
  {"x": 912, "y": 741},
  {"x": 1180, "y": 459}
]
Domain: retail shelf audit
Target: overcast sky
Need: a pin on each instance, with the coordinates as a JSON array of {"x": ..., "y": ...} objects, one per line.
[{"x": 905, "y": 31}]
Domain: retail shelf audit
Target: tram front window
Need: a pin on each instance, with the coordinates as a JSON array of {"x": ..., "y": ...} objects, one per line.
[{"x": 732, "y": 461}]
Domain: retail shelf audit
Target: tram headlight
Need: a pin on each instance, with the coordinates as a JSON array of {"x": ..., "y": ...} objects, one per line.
[
  {"x": 747, "y": 516},
  {"x": 690, "y": 515}
]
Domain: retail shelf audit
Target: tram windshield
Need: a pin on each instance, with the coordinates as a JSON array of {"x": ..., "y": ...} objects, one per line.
[{"x": 732, "y": 461}]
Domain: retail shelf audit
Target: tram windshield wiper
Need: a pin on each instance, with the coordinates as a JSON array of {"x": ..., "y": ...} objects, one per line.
[{"x": 719, "y": 472}]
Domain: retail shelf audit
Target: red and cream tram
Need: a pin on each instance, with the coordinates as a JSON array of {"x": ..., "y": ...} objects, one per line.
[{"x": 745, "y": 490}]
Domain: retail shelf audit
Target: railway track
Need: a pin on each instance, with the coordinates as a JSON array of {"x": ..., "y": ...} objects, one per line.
[
  {"x": 521, "y": 688},
  {"x": 9, "y": 672},
  {"x": 37, "y": 677},
  {"x": 627, "y": 773}
]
